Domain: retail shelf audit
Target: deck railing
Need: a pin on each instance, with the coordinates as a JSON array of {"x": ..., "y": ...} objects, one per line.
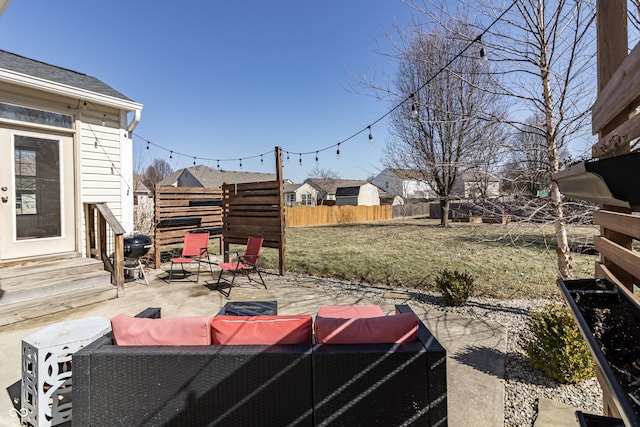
[{"x": 104, "y": 236}]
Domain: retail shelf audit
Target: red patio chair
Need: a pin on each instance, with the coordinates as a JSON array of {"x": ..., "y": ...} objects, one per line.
[
  {"x": 246, "y": 263},
  {"x": 195, "y": 249}
]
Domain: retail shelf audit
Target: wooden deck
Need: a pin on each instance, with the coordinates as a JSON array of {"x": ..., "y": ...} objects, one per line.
[{"x": 36, "y": 288}]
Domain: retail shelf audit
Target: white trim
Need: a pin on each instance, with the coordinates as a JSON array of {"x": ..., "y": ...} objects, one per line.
[{"x": 25, "y": 80}]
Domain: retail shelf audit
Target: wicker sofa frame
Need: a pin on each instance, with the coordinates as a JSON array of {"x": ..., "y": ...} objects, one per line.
[{"x": 278, "y": 385}]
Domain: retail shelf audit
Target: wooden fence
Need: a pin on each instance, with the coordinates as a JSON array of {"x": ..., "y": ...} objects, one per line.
[
  {"x": 256, "y": 209},
  {"x": 302, "y": 216}
]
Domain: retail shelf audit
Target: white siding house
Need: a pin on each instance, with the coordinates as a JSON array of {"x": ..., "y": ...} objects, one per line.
[
  {"x": 404, "y": 183},
  {"x": 65, "y": 140},
  {"x": 299, "y": 195}
]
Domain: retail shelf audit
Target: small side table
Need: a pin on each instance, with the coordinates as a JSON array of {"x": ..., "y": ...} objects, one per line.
[
  {"x": 250, "y": 308},
  {"x": 46, "y": 368}
]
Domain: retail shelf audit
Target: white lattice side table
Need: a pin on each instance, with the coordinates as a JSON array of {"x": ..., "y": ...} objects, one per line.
[{"x": 46, "y": 368}]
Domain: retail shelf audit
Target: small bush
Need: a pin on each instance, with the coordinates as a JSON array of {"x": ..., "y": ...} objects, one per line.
[
  {"x": 556, "y": 346},
  {"x": 456, "y": 287}
]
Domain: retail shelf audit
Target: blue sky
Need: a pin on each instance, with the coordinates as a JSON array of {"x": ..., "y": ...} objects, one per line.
[{"x": 227, "y": 80}]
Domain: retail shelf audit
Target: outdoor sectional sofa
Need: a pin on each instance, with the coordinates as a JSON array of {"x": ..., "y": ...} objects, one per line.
[{"x": 387, "y": 384}]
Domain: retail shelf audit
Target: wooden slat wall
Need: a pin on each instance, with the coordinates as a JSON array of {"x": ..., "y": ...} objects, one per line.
[
  {"x": 614, "y": 120},
  {"x": 172, "y": 202},
  {"x": 252, "y": 209}
]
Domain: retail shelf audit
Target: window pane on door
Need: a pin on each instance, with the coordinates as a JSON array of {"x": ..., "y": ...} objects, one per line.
[{"x": 37, "y": 187}]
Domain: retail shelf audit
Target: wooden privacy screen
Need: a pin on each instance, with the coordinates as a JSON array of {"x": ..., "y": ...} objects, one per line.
[
  {"x": 617, "y": 124},
  {"x": 254, "y": 209},
  {"x": 179, "y": 210}
]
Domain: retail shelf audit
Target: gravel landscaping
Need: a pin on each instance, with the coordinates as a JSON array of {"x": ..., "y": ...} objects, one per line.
[{"x": 524, "y": 385}]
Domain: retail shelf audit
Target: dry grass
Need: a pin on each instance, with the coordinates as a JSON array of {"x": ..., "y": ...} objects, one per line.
[{"x": 507, "y": 261}]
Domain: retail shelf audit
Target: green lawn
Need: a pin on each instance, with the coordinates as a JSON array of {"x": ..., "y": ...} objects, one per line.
[{"x": 508, "y": 261}]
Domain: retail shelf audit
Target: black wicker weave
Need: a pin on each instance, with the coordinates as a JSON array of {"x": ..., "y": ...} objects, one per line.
[
  {"x": 381, "y": 384},
  {"x": 192, "y": 385},
  {"x": 279, "y": 385}
]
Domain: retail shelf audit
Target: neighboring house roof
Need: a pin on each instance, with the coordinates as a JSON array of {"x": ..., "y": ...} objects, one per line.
[
  {"x": 330, "y": 186},
  {"x": 290, "y": 188},
  {"x": 42, "y": 70},
  {"x": 204, "y": 176},
  {"x": 138, "y": 185},
  {"x": 347, "y": 191},
  {"x": 473, "y": 177},
  {"x": 407, "y": 173}
]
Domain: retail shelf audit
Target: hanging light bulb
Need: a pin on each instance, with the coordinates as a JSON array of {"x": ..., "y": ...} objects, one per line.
[
  {"x": 261, "y": 160},
  {"x": 300, "y": 161},
  {"x": 338, "y": 151},
  {"x": 287, "y": 156},
  {"x": 171, "y": 155},
  {"x": 370, "y": 135},
  {"x": 111, "y": 169},
  {"x": 194, "y": 161},
  {"x": 218, "y": 164},
  {"x": 147, "y": 145},
  {"x": 104, "y": 120},
  {"x": 316, "y": 157},
  {"x": 414, "y": 110},
  {"x": 240, "y": 163}
]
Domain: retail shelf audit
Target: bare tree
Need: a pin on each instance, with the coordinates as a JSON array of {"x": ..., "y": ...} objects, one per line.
[
  {"x": 320, "y": 173},
  {"x": 156, "y": 172},
  {"x": 544, "y": 50},
  {"x": 441, "y": 131},
  {"x": 544, "y": 54}
]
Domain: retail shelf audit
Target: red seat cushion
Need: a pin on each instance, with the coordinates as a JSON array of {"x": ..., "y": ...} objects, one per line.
[
  {"x": 234, "y": 266},
  {"x": 350, "y": 311},
  {"x": 129, "y": 330},
  {"x": 400, "y": 328},
  {"x": 261, "y": 330}
]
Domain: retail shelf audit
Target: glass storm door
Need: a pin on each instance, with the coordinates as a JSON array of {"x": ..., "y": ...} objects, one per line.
[{"x": 37, "y": 194}]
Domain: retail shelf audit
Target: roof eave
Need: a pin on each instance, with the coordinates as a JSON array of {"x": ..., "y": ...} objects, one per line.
[{"x": 49, "y": 86}]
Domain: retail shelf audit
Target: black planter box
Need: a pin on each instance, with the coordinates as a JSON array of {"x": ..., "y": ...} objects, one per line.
[{"x": 610, "y": 324}]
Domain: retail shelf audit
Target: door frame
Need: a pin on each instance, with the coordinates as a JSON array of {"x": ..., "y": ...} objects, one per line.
[{"x": 12, "y": 249}]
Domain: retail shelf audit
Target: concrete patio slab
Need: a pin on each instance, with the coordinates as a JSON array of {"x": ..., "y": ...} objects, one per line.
[{"x": 475, "y": 348}]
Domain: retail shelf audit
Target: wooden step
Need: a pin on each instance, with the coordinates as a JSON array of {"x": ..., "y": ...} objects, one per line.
[
  {"x": 61, "y": 284},
  {"x": 11, "y": 313},
  {"x": 51, "y": 271},
  {"x": 36, "y": 288}
]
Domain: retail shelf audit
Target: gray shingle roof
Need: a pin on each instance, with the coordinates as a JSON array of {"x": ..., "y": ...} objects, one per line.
[
  {"x": 31, "y": 67},
  {"x": 213, "y": 178}
]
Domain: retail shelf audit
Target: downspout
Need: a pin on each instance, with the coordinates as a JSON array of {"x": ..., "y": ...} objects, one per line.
[{"x": 134, "y": 122}]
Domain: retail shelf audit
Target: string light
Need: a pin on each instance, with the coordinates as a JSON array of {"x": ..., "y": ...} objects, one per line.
[
  {"x": 171, "y": 155},
  {"x": 194, "y": 161},
  {"x": 261, "y": 160},
  {"x": 240, "y": 163},
  {"x": 414, "y": 105},
  {"x": 338, "y": 151}
]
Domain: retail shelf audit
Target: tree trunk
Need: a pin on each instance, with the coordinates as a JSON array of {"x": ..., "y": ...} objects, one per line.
[
  {"x": 565, "y": 269},
  {"x": 444, "y": 212}
]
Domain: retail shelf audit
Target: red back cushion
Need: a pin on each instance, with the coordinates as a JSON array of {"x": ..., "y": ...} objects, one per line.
[
  {"x": 129, "y": 330},
  {"x": 350, "y": 311},
  {"x": 261, "y": 330},
  {"x": 400, "y": 328}
]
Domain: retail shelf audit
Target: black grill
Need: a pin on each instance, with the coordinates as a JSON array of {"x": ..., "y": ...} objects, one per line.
[{"x": 136, "y": 246}]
